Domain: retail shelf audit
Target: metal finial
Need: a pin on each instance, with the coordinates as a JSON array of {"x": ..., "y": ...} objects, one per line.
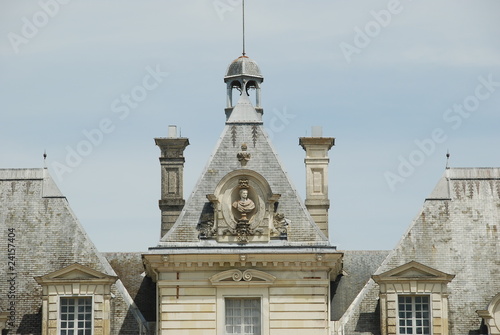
[
  {"x": 447, "y": 159},
  {"x": 44, "y": 158},
  {"x": 243, "y": 10}
]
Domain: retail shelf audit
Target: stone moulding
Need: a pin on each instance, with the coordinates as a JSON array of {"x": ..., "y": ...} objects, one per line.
[{"x": 233, "y": 259}]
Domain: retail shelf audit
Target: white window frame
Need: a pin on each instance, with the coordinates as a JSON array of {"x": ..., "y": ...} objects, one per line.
[
  {"x": 413, "y": 311},
  {"x": 242, "y": 316},
  {"x": 59, "y": 311},
  {"x": 243, "y": 293}
]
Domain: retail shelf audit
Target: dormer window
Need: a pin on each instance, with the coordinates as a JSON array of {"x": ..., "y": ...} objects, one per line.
[
  {"x": 76, "y": 301},
  {"x": 413, "y": 300},
  {"x": 414, "y": 314}
]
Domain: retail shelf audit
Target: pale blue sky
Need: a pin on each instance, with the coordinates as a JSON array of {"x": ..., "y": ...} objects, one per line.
[{"x": 65, "y": 69}]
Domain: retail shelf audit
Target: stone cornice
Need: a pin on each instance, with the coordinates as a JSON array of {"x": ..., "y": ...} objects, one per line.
[
  {"x": 155, "y": 263},
  {"x": 321, "y": 141}
]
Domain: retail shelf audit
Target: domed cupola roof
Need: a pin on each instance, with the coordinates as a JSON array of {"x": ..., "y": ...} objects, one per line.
[{"x": 243, "y": 66}]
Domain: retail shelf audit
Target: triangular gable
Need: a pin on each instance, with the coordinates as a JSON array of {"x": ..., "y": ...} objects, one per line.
[
  {"x": 264, "y": 161},
  {"x": 413, "y": 271},
  {"x": 75, "y": 272}
]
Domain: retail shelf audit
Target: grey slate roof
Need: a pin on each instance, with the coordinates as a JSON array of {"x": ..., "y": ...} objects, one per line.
[
  {"x": 48, "y": 237},
  {"x": 243, "y": 66},
  {"x": 358, "y": 266},
  {"x": 456, "y": 232},
  {"x": 130, "y": 269},
  {"x": 302, "y": 229},
  {"x": 244, "y": 112}
]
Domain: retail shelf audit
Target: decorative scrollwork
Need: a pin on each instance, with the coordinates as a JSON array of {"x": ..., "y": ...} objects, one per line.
[
  {"x": 237, "y": 275},
  {"x": 247, "y": 276},
  {"x": 250, "y": 275}
]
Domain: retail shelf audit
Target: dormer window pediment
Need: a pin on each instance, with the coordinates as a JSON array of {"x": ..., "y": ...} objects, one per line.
[
  {"x": 413, "y": 300},
  {"x": 76, "y": 292},
  {"x": 413, "y": 271},
  {"x": 75, "y": 272}
]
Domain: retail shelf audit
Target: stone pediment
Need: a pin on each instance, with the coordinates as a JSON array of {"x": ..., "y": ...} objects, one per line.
[
  {"x": 238, "y": 277},
  {"x": 413, "y": 271},
  {"x": 75, "y": 272}
]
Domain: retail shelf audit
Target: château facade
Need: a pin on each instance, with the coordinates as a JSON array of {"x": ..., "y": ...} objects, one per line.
[{"x": 245, "y": 255}]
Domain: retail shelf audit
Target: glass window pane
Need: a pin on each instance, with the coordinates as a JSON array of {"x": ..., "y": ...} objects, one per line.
[
  {"x": 79, "y": 309},
  {"x": 243, "y": 316},
  {"x": 413, "y": 315}
]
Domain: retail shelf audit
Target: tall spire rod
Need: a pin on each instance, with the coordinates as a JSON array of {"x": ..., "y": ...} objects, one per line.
[{"x": 243, "y": 9}]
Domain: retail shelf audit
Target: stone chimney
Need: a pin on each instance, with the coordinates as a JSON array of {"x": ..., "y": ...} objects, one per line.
[
  {"x": 316, "y": 161},
  {"x": 172, "y": 174}
]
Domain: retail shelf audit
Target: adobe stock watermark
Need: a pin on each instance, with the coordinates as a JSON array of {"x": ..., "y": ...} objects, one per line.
[
  {"x": 364, "y": 36},
  {"x": 120, "y": 108},
  {"x": 453, "y": 117},
  {"x": 278, "y": 122},
  {"x": 221, "y": 7},
  {"x": 31, "y": 26}
]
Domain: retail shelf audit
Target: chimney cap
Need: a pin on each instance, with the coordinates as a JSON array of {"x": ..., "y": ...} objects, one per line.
[
  {"x": 172, "y": 131},
  {"x": 316, "y": 131}
]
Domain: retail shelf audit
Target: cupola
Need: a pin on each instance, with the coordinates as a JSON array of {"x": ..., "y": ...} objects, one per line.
[{"x": 243, "y": 74}]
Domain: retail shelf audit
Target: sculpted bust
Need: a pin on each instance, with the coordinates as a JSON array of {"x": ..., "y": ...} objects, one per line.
[{"x": 244, "y": 205}]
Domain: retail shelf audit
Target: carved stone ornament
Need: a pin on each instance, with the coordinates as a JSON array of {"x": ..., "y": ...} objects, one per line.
[
  {"x": 243, "y": 183},
  {"x": 243, "y": 206},
  {"x": 206, "y": 226},
  {"x": 280, "y": 225},
  {"x": 243, "y": 232},
  {"x": 235, "y": 276},
  {"x": 243, "y": 156}
]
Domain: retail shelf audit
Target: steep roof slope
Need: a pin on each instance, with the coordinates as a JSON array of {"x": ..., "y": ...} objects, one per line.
[
  {"x": 130, "y": 269},
  {"x": 357, "y": 266},
  {"x": 456, "y": 232},
  {"x": 37, "y": 224}
]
